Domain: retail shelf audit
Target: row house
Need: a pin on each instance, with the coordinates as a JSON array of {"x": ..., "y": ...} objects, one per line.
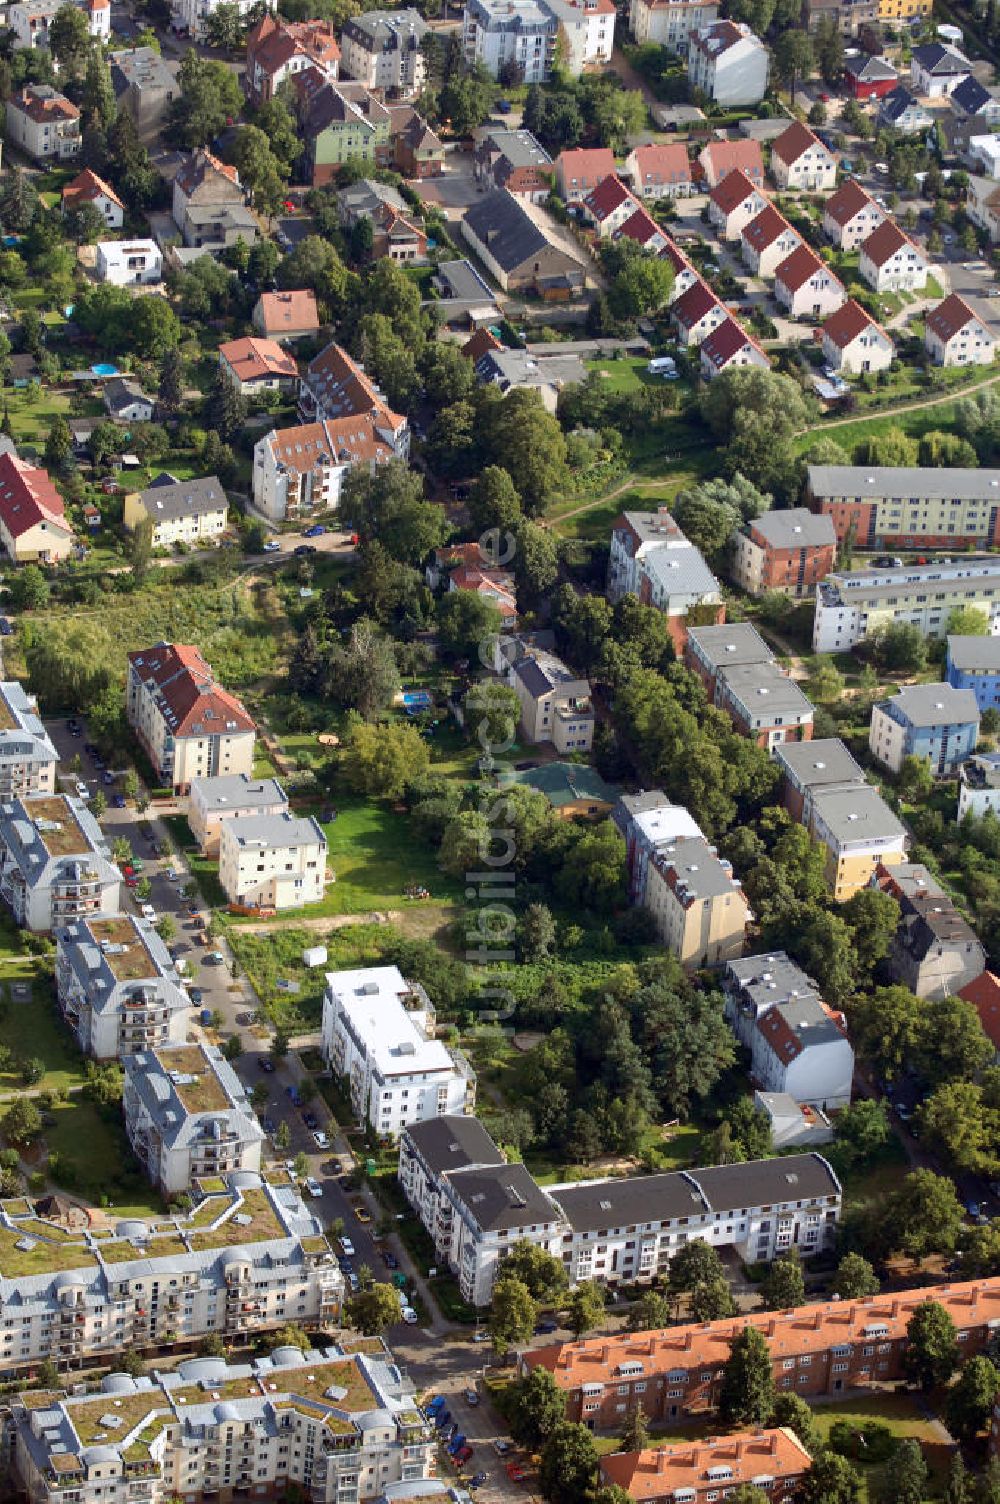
[
  {"x": 272, "y": 861},
  {"x": 187, "y": 1116},
  {"x": 230, "y": 796},
  {"x": 55, "y": 864},
  {"x": 248, "y": 1259},
  {"x": 907, "y": 507},
  {"x": 730, "y": 345},
  {"x": 934, "y": 722},
  {"x": 699, "y": 1472},
  {"x": 579, "y": 169},
  {"x": 854, "y": 343},
  {"x": 670, "y": 23},
  {"x": 807, "y": 288},
  {"x": 118, "y": 987},
  {"x": 735, "y": 202},
  {"x": 332, "y": 1423},
  {"x": 719, "y": 158},
  {"x": 189, "y": 726},
  {"x": 974, "y": 663},
  {"x": 696, "y": 313},
  {"x": 934, "y": 952},
  {"x": 608, "y": 206},
  {"x": 800, "y": 161},
  {"x": 955, "y": 336},
  {"x": 827, "y": 1348},
  {"x": 798, "y": 1045},
  {"x": 28, "y": 757},
  {"x": 891, "y": 262},
  {"x": 767, "y": 241},
  {"x": 378, "y": 1032},
  {"x": 660, "y": 171},
  {"x": 790, "y": 550},
  {"x": 850, "y": 215}
]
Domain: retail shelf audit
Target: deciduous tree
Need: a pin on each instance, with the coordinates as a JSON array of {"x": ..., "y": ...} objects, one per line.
[
  {"x": 746, "y": 1395},
  {"x": 932, "y": 1353},
  {"x": 513, "y": 1314}
]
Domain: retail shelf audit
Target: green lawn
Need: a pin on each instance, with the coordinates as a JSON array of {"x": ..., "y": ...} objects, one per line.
[
  {"x": 32, "y": 409},
  {"x": 93, "y": 1149},
  {"x": 916, "y": 422},
  {"x": 276, "y": 955},
  {"x": 902, "y": 1414},
  {"x": 33, "y": 1030},
  {"x": 375, "y": 856},
  {"x": 625, "y": 375}
]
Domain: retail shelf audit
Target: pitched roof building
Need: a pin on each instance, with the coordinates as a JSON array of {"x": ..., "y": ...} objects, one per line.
[
  {"x": 88, "y": 188},
  {"x": 258, "y": 365},
  {"x": 854, "y": 342},
  {"x": 286, "y": 315},
  {"x": 33, "y": 522},
  {"x": 189, "y": 725},
  {"x": 698, "y": 1471}
]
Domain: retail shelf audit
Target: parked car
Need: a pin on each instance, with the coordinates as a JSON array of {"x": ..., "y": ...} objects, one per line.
[
  {"x": 272, "y": 546},
  {"x": 266, "y": 1064},
  {"x": 215, "y": 958},
  {"x": 195, "y": 994},
  {"x": 410, "y": 1316},
  {"x": 304, "y": 548},
  {"x": 313, "y": 1187},
  {"x": 147, "y": 911},
  {"x": 471, "y": 1397},
  {"x": 434, "y": 1405},
  {"x": 477, "y": 1480},
  {"x": 5, "y": 627},
  {"x": 463, "y": 1454},
  {"x": 346, "y": 1246},
  {"x": 269, "y": 1126},
  {"x": 320, "y": 1139},
  {"x": 82, "y": 790},
  {"x": 516, "y": 1472},
  {"x": 316, "y": 531},
  {"x": 363, "y": 1215},
  {"x": 117, "y": 801},
  {"x": 501, "y": 1446}
]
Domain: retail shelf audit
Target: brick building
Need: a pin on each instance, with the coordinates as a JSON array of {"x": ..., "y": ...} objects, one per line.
[{"x": 789, "y": 551}]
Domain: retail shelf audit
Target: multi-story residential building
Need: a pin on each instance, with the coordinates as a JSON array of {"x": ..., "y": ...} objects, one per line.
[
  {"x": 336, "y": 387},
  {"x": 213, "y": 801},
  {"x": 932, "y": 721},
  {"x": 859, "y": 831},
  {"x": 128, "y": 263},
  {"x": 255, "y": 365},
  {"x": 55, "y": 864},
  {"x": 515, "y": 161},
  {"x": 670, "y": 22},
  {"x": 853, "y": 342},
  {"x": 651, "y": 558},
  {"x": 188, "y": 1117},
  {"x": 272, "y": 861},
  {"x": 789, "y": 551},
  {"x": 188, "y": 724},
  {"x": 660, "y": 171},
  {"x": 979, "y": 786},
  {"x": 249, "y": 1258},
  {"x": 298, "y": 471},
  {"x": 735, "y": 202},
  {"x": 809, "y": 767},
  {"x": 806, "y": 287},
  {"x": 586, "y": 32},
  {"x": 648, "y": 821},
  {"x": 697, "y": 903},
  {"x": 934, "y": 952},
  {"x": 974, "y": 663},
  {"x": 43, "y": 123},
  {"x": 29, "y": 20},
  {"x": 696, "y": 313},
  {"x": 88, "y": 188},
  {"x": 824, "y": 1348},
  {"x": 27, "y": 756},
  {"x": 382, "y": 50},
  {"x": 699, "y": 1471},
  {"x": 764, "y": 704},
  {"x": 179, "y": 511},
  {"x": 378, "y": 1031},
  {"x": 955, "y": 336},
  {"x": 800, "y": 160},
  {"x": 869, "y": 77},
  {"x": 892, "y": 262},
  {"x": 851, "y": 215},
  {"x": 728, "y": 62},
  {"x": 286, "y": 315},
  {"x": 907, "y": 507},
  {"x": 936, "y": 70},
  {"x": 519, "y": 34},
  {"x": 850, "y": 607},
  {"x": 194, "y": 16},
  {"x": 904, "y": 10},
  {"x": 208, "y": 205},
  {"x": 982, "y": 204},
  {"x": 118, "y": 987},
  {"x": 580, "y": 169},
  {"x": 798, "y": 1045},
  {"x": 719, "y": 158},
  {"x": 767, "y": 241},
  {"x": 334, "y": 1423},
  {"x": 615, "y": 1231},
  {"x": 279, "y": 50},
  {"x": 608, "y": 206},
  {"x": 729, "y": 345},
  {"x": 556, "y": 704},
  {"x": 710, "y": 651},
  {"x": 902, "y": 111},
  {"x": 146, "y": 85},
  {"x": 339, "y": 122}
]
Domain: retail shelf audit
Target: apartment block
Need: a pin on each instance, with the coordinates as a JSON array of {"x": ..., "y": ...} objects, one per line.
[
  {"x": 189, "y": 726},
  {"x": 764, "y": 704},
  {"x": 798, "y": 1045},
  {"x": 729, "y": 63},
  {"x": 300, "y": 471},
  {"x": 213, "y": 801},
  {"x": 850, "y": 607},
  {"x": 979, "y": 786},
  {"x": 859, "y": 832},
  {"x": 698, "y": 905},
  {"x": 272, "y": 861},
  {"x": 188, "y": 1116},
  {"x": 790, "y": 551},
  {"x": 378, "y": 1032},
  {"x": 670, "y": 22},
  {"x": 382, "y": 50},
  {"x": 710, "y": 651},
  {"x": 650, "y": 558},
  {"x": 249, "y": 1258},
  {"x": 502, "y": 34},
  {"x": 27, "y": 756},
  {"x": 648, "y": 820},
  {"x": 828, "y": 1348},
  {"x": 118, "y": 987},
  {"x": 809, "y": 767},
  {"x": 931, "y": 721},
  {"x": 906, "y": 506},
  {"x": 935, "y": 951},
  {"x": 55, "y": 864},
  {"x": 699, "y": 1472},
  {"x": 974, "y": 663},
  {"x": 555, "y": 703},
  {"x": 514, "y": 160},
  {"x": 333, "y": 1423}
]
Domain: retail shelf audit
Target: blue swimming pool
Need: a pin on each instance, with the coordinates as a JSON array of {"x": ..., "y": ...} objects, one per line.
[
  {"x": 417, "y": 699},
  {"x": 104, "y": 370}
]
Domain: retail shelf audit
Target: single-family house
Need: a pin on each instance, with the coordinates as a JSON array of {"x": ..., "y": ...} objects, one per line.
[
  {"x": 278, "y": 50},
  {"x": 208, "y": 205},
  {"x": 285, "y": 316},
  {"x": 729, "y": 345},
  {"x": 608, "y": 206},
  {"x": 936, "y": 70},
  {"x": 88, "y": 188},
  {"x": 417, "y": 151},
  {"x": 854, "y": 343},
  {"x": 256, "y": 365},
  {"x": 696, "y": 313},
  {"x": 806, "y": 287},
  {"x": 971, "y": 100},
  {"x": 43, "y": 123},
  {"x": 902, "y": 111},
  {"x": 126, "y": 401},
  {"x": 982, "y": 205},
  {"x": 734, "y": 203},
  {"x": 891, "y": 262},
  {"x": 659, "y": 171},
  {"x": 643, "y": 229},
  {"x": 850, "y": 215},
  {"x": 556, "y": 704},
  {"x": 718, "y": 158},
  {"x": 869, "y": 77},
  {"x": 800, "y": 160},
  {"x": 128, "y": 263},
  {"x": 955, "y": 336},
  {"x": 34, "y": 528},
  {"x": 514, "y": 160},
  {"x": 767, "y": 241},
  {"x": 934, "y": 951}
]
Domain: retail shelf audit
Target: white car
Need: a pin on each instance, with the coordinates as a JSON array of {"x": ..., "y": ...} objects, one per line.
[
  {"x": 272, "y": 546},
  {"x": 410, "y": 1316},
  {"x": 147, "y": 911},
  {"x": 321, "y": 1139},
  {"x": 347, "y": 1248},
  {"x": 82, "y": 790},
  {"x": 313, "y": 1187}
]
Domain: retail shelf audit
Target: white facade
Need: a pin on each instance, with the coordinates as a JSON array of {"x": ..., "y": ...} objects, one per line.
[
  {"x": 187, "y": 735},
  {"x": 979, "y": 786},
  {"x": 30, "y": 20},
  {"x": 55, "y": 865},
  {"x": 848, "y": 234},
  {"x": 815, "y": 296},
  {"x": 194, "y": 16},
  {"x": 849, "y": 608},
  {"x": 381, "y": 49},
  {"x": 813, "y": 170},
  {"x": 118, "y": 988},
  {"x": 797, "y": 1045},
  {"x": 272, "y": 861},
  {"x": 520, "y": 34},
  {"x": 763, "y": 257},
  {"x": 971, "y": 344},
  {"x": 670, "y": 22},
  {"x": 728, "y": 63},
  {"x": 212, "y": 801},
  {"x": 127, "y": 263},
  {"x": 43, "y": 123},
  {"x": 904, "y": 270},
  {"x": 378, "y": 1031},
  {"x": 871, "y": 350},
  {"x": 27, "y": 756}
]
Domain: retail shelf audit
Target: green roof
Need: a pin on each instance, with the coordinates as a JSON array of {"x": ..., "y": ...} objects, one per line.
[{"x": 565, "y": 783}]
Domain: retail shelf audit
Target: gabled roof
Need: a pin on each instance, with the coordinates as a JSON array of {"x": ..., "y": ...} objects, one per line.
[
  {"x": 168, "y": 497},
  {"x": 609, "y": 195},
  {"x": 896, "y": 104},
  {"x": 355, "y": 440},
  {"x": 28, "y": 497},
  {"x": 870, "y": 70},
  {"x": 850, "y": 320},
  {"x": 725, "y": 341},
  {"x": 942, "y": 61},
  {"x": 848, "y": 201},
  {"x": 641, "y": 227},
  {"x": 191, "y": 700},
  {"x": 44, "y": 105},
  {"x": 732, "y": 190},
  {"x": 984, "y": 995},
  {"x": 766, "y": 228},
  {"x": 256, "y": 359},
  {"x": 200, "y": 167},
  {"x": 586, "y": 164},
  {"x": 796, "y": 269},
  {"x": 86, "y": 188},
  {"x": 342, "y": 389},
  {"x": 970, "y": 96},
  {"x": 885, "y": 240},
  {"x": 480, "y": 344},
  {"x": 795, "y": 142},
  {"x": 950, "y": 316},
  {"x": 666, "y": 163},
  {"x": 693, "y": 305},
  {"x": 275, "y": 41},
  {"x": 514, "y": 230},
  {"x": 728, "y": 156}
]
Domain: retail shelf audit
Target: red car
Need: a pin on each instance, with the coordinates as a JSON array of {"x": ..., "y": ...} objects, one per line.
[
  {"x": 463, "y": 1454},
  {"x": 130, "y": 882},
  {"x": 515, "y": 1472}
]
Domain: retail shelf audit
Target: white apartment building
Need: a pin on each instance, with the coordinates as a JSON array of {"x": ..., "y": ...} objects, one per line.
[
  {"x": 128, "y": 263},
  {"x": 118, "y": 987},
  {"x": 179, "y": 511},
  {"x": 850, "y": 607},
  {"x": 729, "y": 63},
  {"x": 378, "y": 1031},
  {"x": 43, "y": 123},
  {"x": 187, "y": 1116},
  {"x": 503, "y": 34},
  {"x": 188, "y": 724},
  {"x": 195, "y": 16},
  {"x": 586, "y": 32},
  {"x": 382, "y": 50},
  {"x": 250, "y": 1258},
  {"x": 55, "y": 865},
  {"x": 27, "y": 756},
  {"x": 670, "y": 22},
  {"x": 300, "y": 470},
  {"x": 979, "y": 785},
  {"x": 650, "y": 558},
  {"x": 212, "y": 801},
  {"x": 616, "y": 1231},
  {"x": 798, "y": 1046},
  {"x": 333, "y": 1424},
  {"x": 30, "y": 20},
  {"x": 272, "y": 861}
]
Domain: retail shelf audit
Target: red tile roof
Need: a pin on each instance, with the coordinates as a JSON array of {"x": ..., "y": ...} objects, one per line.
[
  {"x": 608, "y": 196},
  {"x": 693, "y": 305},
  {"x": 255, "y": 359},
  {"x": 726, "y": 341},
  {"x": 353, "y": 440},
  {"x": 192, "y": 702},
  {"x": 342, "y": 389},
  {"x": 289, "y": 312},
  {"x": 949, "y": 317},
  {"x": 662, "y": 1472},
  {"x": 87, "y": 187},
  {"x": 585, "y": 167},
  {"x": 662, "y": 164},
  {"x": 984, "y": 995},
  {"x": 732, "y": 190},
  {"x": 730, "y": 156},
  {"x": 641, "y": 226},
  {"x": 44, "y": 105},
  {"x": 27, "y": 497},
  {"x": 847, "y": 323},
  {"x": 884, "y": 241},
  {"x": 480, "y": 344},
  {"x": 795, "y": 142},
  {"x": 765, "y": 229},
  {"x": 201, "y": 164},
  {"x": 797, "y": 268},
  {"x": 274, "y": 42},
  {"x": 849, "y": 199}
]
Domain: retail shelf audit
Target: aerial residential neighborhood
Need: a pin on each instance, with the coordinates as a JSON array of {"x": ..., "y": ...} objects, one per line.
[{"x": 500, "y": 752}]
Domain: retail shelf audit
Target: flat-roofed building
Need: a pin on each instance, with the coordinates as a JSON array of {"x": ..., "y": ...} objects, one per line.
[
  {"x": 974, "y": 663},
  {"x": 272, "y": 861},
  {"x": 859, "y": 832},
  {"x": 979, "y": 786},
  {"x": 27, "y": 755},
  {"x": 931, "y": 721},
  {"x": 807, "y": 767},
  {"x": 118, "y": 987},
  {"x": 850, "y": 608},
  {"x": 789, "y": 550},
  {"x": 212, "y": 801},
  {"x": 697, "y": 902},
  {"x": 764, "y": 704},
  {"x": 907, "y": 506},
  {"x": 709, "y": 651},
  {"x": 55, "y": 864}
]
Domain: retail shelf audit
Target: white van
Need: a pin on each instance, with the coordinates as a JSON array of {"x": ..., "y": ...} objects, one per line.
[{"x": 661, "y": 365}]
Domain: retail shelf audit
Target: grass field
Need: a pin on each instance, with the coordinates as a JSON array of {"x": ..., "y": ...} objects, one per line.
[
  {"x": 916, "y": 422},
  {"x": 902, "y": 1414},
  {"x": 102, "y": 1166},
  {"x": 276, "y": 955}
]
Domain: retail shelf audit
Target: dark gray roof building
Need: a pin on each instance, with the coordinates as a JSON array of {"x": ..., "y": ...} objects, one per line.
[{"x": 453, "y": 1143}]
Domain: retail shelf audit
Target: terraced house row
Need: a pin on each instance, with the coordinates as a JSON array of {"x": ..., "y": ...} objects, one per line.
[{"x": 674, "y": 1374}]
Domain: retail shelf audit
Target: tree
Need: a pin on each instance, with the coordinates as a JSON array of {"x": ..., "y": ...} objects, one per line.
[
  {"x": 362, "y": 674},
  {"x": 884, "y": 1027},
  {"x": 784, "y": 1285},
  {"x": 225, "y": 28},
  {"x": 21, "y": 1124},
  {"x": 69, "y": 38},
  {"x": 959, "y": 1488},
  {"x": 389, "y": 505},
  {"x": 32, "y": 1070},
  {"x": 568, "y": 1467},
  {"x": 519, "y": 435},
  {"x": 542, "y": 1274},
  {"x": 950, "y": 1043},
  {"x": 957, "y": 1118},
  {"x": 536, "y": 562},
  {"x": 140, "y": 549},
  {"x": 932, "y": 1353},
  {"x": 371, "y": 1311},
  {"x": 283, "y": 1138},
  {"x": 710, "y": 513},
  {"x": 537, "y": 1406},
  {"x": 260, "y": 172},
  {"x": 537, "y": 933},
  {"x": 899, "y": 648},
  {"x": 695, "y": 1263},
  {"x": 494, "y": 502},
  {"x": 29, "y": 589},
  {"x": 513, "y": 1314},
  {"x": 153, "y": 327},
  {"x": 381, "y": 760},
  {"x": 171, "y": 388},
  {"x": 209, "y": 98},
  {"x": 227, "y": 407},
  {"x": 650, "y": 1311},
  {"x": 166, "y": 928},
  {"x": 971, "y": 1398},
  {"x": 585, "y": 1307},
  {"x": 924, "y": 1215},
  {"x": 915, "y": 779},
  {"x": 746, "y": 1395},
  {"x": 904, "y": 1479},
  {"x": 492, "y": 711},
  {"x": 755, "y": 414},
  {"x": 791, "y": 1410},
  {"x": 468, "y": 625},
  {"x": 855, "y": 1278},
  {"x": 830, "y": 1480},
  {"x": 635, "y": 1436},
  {"x": 873, "y": 918},
  {"x": 59, "y": 440},
  {"x": 641, "y": 282},
  {"x": 793, "y": 58},
  {"x": 98, "y": 105},
  {"x": 967, "y": 621}
]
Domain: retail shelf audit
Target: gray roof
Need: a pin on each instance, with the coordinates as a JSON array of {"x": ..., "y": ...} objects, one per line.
[
  {"x": 27, "y": 740},
  {"x": 92, "y": 961},
  {"x": 168, "y": 497},
  {"x": 734, "y": 643},
  {"x": 501, "y": 1197},
  {"x": 764, "y": 1182},
  {"x": 542, "y": 673},
  {"x": 700, "y": 872},
  {"x": 592, "y": 1206},
  {"x": 974, "y": 654},
  {"x": 968, "y": 576},
  {"x": 511, "y": 231},
  {"x": 154, "y": 1081},
  {"x": 971, "y": 97},
  {"x": 812, "y": 765},
  {"x": 982, "y": 771},
  {"x": 805, "y": 1018},
  {"x": 856, "y": 813},
  {"x": 763, "y": 690},
  {"x": 795, "y": 528},
  {"x": 141, "y": 68},
  {"x": 896, "y": 104},
  {"x": 120, "y": 392},
  {"x": 932, "y": 705},
  {"x": 461, "y": 280},
  {"x": 238, "y": 791},
  {"x": 942, "y": 61},
  {"x": 365, "y": 196},
  {"x": 872, "y": 482},
  {"x": 23, "y": 828},
  {"x": 453, "y": 1142},
  {"x": 387, "y": 30},
  {"x": 511, "y": 368},
  {"x": 519, "y": 148},
  {"x": 274, "y": 830},
  {"x": 681, "y": 570},
  {"x": 766, "y": 980}
]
